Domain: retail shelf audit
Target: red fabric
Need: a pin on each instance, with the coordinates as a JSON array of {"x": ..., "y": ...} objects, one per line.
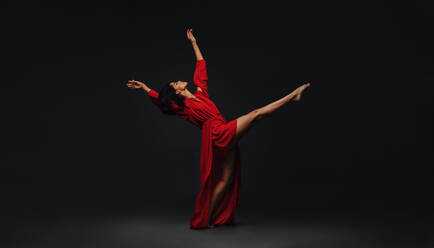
[{"x": 217, "y": 139}]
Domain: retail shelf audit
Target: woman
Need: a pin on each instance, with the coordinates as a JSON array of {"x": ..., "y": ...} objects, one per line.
[{"x": 220, "y": 158}]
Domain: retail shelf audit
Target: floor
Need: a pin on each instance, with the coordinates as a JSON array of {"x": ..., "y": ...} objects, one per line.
[{"x": 166, "y": 229}]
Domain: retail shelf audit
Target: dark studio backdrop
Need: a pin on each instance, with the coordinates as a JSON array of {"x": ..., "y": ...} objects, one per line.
[{"x": 76, "y": 140}]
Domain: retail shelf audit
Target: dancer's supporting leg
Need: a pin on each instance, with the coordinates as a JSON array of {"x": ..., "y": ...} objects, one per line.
[
  {"x": 244, "y": 123},
  {"x": 223, "y": 183}
]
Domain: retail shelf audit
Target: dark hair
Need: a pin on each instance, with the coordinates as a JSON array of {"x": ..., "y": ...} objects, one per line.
[{"x": 166, "y": 95}]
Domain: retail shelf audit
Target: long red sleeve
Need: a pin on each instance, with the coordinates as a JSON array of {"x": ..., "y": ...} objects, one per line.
[
  {"x": 200, "y": 77},
  {"x": 154, "y": 98}
]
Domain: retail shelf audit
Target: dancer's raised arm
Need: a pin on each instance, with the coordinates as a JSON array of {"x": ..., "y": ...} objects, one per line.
[
  {"x": 200, "y": 77},
  {"x": 194, "y": 44}
]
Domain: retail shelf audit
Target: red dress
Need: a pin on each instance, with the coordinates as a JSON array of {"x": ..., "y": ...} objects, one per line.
[{"x": 217, "y": 139}]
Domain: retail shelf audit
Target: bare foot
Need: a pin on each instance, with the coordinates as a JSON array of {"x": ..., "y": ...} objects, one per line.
[
  {"x": 208, "y": 223},
  {"x": 299, "y": 90}
]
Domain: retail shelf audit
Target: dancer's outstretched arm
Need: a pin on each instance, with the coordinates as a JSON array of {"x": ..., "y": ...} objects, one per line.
[
  {"x": 151, "y": 93},
  {"x": 138, "y": 85},
  {"x": 194, "y": 44}
]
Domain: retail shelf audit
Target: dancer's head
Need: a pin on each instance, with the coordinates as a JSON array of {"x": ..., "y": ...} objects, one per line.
[
  {"x": 172, "y": 91},
  {"x": 179, "y": 87}
]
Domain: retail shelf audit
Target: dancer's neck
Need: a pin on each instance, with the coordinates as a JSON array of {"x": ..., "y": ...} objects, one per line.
[{"x": 188, "y": 94}]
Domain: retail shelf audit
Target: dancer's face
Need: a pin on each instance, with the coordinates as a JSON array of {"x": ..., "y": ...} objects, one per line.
[{"x": 179, "y": 86}]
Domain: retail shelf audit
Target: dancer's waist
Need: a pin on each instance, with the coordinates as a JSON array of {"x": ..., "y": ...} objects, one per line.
[{"x": 217, "y": 118}]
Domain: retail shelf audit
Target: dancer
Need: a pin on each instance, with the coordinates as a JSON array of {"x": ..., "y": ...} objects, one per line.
[{"x": 220, "y": 168}]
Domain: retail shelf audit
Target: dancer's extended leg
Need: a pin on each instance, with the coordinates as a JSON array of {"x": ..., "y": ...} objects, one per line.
[{"x": 246, "y": 121}]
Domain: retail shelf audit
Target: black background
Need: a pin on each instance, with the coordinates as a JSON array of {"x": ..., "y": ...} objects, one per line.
[{"x": 77, "y": 140}]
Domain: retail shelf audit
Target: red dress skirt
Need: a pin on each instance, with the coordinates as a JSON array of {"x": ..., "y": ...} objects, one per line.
[{"x": 217, "y": 139}]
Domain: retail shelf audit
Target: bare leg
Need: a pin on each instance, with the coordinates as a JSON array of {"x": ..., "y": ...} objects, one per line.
[
  {"x": 223, "y": 184},
  {"x": 245, "y": 122}
]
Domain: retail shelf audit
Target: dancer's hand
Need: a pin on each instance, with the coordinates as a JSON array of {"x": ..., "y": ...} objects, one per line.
[
  {"x": 194, "y": 44},
  {"x": 190, "y": 35},
  {"x": 137, "y": 85},
  {"x": 299, "y": 90}
]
